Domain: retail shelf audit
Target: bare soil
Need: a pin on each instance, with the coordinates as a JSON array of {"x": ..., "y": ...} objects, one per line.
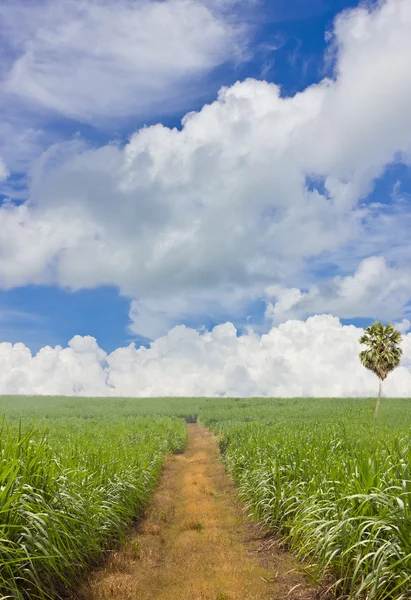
[{"x": 195, "y": 543}]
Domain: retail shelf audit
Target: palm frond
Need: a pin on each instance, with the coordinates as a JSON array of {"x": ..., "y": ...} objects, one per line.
[{"x": 383, "y": 353}]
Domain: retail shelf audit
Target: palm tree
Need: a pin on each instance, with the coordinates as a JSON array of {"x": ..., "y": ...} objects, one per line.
[{"x": 383, "y": 353}]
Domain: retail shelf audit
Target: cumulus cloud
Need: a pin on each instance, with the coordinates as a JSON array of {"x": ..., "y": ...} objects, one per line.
[
  {"x": 94, "y": 59},
  {"x": 318, "y": 357},
  {"x": 403, "y": 326},
  {"x": 374, "y": 290},
  {"x": 73, "y": 370},
  {"x": 255, "y": 190},
  {"x": 363, "y": 123}
]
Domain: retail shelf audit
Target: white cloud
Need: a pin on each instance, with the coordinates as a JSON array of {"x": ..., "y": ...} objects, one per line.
[
  {"x": 182, "y": 219},
  {"x": 95, "y": 60},
  {"x": 403, "y": 326},
  {"x": 172, "y": 210},
  {"x": 318, "y": 357},
  {"x": 30, "y": 244},
  {"x": 374, "y": 290},
  {"x": 364, "y": 121},
  {"x": 74, "y": 370}
]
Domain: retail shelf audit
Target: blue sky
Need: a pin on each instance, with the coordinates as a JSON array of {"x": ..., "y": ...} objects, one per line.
[{"x": 62, "y": 146}]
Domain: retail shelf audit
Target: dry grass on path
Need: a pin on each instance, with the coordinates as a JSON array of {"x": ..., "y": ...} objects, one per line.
[{"x": 195, "y": 543}]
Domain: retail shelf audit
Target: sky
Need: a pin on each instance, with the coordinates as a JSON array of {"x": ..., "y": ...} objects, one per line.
[{"x": 203, "y": 197}]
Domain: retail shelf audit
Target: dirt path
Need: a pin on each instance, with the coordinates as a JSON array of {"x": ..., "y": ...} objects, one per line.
[{"x": 195, "y": 543}]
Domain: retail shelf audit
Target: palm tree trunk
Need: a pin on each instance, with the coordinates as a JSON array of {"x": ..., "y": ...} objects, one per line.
[{"x": 377, "y": 407}]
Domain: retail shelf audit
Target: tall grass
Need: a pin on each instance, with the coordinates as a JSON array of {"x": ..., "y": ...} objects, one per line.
[
  {"x": 333, "y": 482},
  {"x": 67, "y": 491},
  {"x": 337, "y": 488}
]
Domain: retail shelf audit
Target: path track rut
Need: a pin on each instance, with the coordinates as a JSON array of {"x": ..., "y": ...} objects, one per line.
[{"x": 195, "y": 543}]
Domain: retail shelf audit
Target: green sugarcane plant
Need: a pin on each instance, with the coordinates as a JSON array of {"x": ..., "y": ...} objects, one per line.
[{"x": 383, "y": 353}]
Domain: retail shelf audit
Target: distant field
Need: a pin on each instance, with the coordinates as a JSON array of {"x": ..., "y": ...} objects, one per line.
[
  {"x": 48, "y": 407},
  {"x": 395, "y": 413},
  {"x": 321, "y": 472}
]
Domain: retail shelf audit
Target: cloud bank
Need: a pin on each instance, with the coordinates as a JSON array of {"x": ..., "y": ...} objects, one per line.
[{"x": 316, "y": 357}]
